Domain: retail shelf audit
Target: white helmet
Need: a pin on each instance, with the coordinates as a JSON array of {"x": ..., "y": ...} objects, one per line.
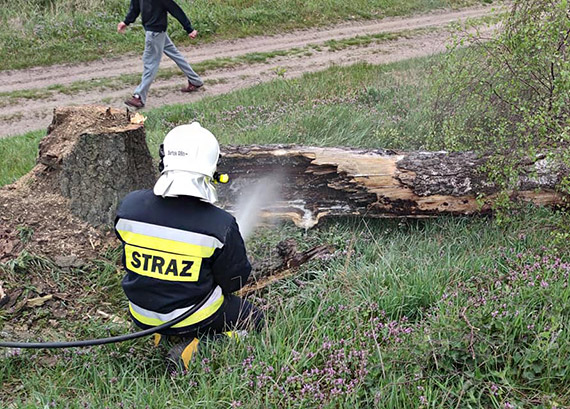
[{"x": 189, "y": 156}]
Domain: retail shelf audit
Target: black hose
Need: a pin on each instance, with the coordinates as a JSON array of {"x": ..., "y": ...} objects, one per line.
[{"x": 103, "y": 341}]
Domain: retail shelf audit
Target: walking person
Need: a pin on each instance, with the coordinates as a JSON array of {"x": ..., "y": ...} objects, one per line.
[{"x": 155, "y": 20}]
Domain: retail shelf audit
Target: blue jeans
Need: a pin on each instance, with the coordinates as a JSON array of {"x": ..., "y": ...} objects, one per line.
[{"x": 156, "y": 44}]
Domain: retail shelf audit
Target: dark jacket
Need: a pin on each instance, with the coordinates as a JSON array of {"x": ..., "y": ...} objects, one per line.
[
  {"x": 175, "y": 250},
  {"x": 154, "y": 17}
]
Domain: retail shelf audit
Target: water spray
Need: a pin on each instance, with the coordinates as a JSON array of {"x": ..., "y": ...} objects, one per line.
[{"x": 253, "y": 200}]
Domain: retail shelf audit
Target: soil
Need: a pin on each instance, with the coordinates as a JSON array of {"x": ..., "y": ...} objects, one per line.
[{"x": 23, "y": 115}]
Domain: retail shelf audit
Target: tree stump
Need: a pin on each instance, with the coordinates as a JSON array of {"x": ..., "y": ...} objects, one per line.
[
  {"x": 94, "y": 156},
  {"x": 90, "y": 159}
]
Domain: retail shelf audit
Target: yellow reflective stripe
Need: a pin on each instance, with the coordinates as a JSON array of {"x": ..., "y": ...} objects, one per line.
[
  {"x": 161, "y": 265},
  {"x": 168, "y": 233},
  {"x": 198, "y": 316},
  {"x": 170, "y": 246}
]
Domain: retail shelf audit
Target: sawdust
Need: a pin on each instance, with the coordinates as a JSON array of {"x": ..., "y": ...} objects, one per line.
[
  {"x": 34, "y": 216},
  {"x": 41, "y": 223}
]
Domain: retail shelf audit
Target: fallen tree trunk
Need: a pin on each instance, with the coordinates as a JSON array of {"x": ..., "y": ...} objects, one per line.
[
  {"x": 93, "y": 156},
  {"x": 326, "y": 182}
]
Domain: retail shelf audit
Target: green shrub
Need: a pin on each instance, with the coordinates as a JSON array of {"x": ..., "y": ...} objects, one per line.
[{"x": 510, "y": 96}]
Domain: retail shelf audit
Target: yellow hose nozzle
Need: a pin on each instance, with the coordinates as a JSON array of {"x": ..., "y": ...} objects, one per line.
[{"x": 221, "y": 177}]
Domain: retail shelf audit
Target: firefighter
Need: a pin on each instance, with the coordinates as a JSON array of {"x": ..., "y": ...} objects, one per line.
[{"x": 178, "y": 248}]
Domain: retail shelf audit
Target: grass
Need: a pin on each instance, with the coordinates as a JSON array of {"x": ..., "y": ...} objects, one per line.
[
  {"x": 442, "y": 313},
  {"x": 18, "y": 155},
  {"x": 363, "y": 106},
  {"x": 389, "y": 326},
  {"x": 43, "y": 32}
]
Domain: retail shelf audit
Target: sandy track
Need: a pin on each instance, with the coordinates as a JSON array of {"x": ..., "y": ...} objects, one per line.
[{"x": 32, "y": 114}]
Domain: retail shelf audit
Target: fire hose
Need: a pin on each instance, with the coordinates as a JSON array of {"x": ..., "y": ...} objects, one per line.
[{"x": 110, "y": 340}]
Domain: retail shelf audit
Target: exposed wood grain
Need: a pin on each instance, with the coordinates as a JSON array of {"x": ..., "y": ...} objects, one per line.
[{"x": 327, "y": 182}]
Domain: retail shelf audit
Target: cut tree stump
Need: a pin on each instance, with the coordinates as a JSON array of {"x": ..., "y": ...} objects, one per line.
[
  {"x": 95, "y": 156},
  {"x": 90, "y": 159},
  {"x": 327, "y": 182}
]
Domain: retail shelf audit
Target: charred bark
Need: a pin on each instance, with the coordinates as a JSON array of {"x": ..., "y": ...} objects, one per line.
[
  {"x": 327, "y": 182},
  {"x": 285, "y": 263}
]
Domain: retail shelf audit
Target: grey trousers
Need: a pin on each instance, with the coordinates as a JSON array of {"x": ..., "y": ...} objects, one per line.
[{"x": 156, "y": 44}]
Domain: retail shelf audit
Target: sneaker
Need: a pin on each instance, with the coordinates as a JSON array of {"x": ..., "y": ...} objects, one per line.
[
  {"x": 135, "y": 102},
  {"x": 191, "y": 87}
]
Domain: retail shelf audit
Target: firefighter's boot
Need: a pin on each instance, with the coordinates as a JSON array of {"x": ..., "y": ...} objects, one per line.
[{"x": 181, "y": 354}]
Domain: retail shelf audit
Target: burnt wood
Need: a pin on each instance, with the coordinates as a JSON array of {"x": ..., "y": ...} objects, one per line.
[{"x": 317, "y": 182}]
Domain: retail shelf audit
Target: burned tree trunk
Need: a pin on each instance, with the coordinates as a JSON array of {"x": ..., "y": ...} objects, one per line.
[
  {"x": 284, "y": 264},
  {"x": 325, "y": 182}
]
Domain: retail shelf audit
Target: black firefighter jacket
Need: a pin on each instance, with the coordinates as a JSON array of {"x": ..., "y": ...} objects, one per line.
[{"x": 175, "y": 251}]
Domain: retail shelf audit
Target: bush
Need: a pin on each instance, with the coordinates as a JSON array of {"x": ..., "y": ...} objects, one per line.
[{"x": 510, "y": 96}]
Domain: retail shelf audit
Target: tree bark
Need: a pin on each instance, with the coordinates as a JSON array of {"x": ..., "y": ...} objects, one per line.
[
  {"x": 94, "y": 156},
  {"x": 326, "y": 182}
]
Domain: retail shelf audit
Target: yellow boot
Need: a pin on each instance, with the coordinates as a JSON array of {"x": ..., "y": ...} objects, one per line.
[{"x": 181, "y": 354}]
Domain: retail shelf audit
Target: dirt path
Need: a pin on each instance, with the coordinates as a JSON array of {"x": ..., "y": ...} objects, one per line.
[{"x": 22, "y": 115}]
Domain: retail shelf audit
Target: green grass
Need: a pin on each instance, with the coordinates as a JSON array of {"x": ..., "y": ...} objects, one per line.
[
  {"x": 42, "y": 32},
  {"x": 389, "y": 316},
  {"x": 442, "y": 313},
  {"x": 18, "y": 155},
  {"x": 362, "y": 106}
]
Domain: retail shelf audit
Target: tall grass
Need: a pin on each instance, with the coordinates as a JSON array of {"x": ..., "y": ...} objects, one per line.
[
  {"x": 41, "y": 32},
  {"x": 406, "y": 315}
]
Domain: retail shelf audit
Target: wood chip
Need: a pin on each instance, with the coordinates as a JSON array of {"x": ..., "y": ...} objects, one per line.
[
  {"x": 138, "y": 119},
  {"x": 3, "y": 296},
  {"x": 39, "y": 301}
]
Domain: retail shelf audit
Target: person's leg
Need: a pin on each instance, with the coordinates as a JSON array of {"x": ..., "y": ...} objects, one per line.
[
  {"x": 236, "y": 314},
  {"x": 153, "y": 48},
  {"x": 172, "y": 52}
]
